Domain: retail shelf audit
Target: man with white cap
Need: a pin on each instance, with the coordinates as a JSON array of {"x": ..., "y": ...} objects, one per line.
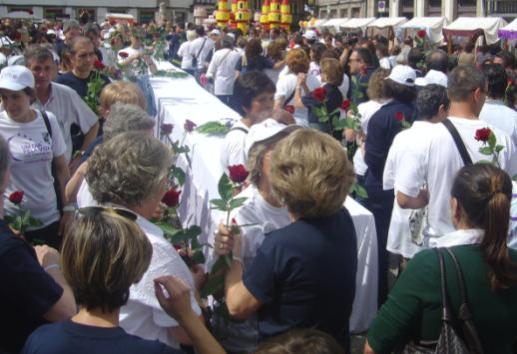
[
  {"x": 309, "y": 37},
  {"x": 432, "y": 77},
  {"x": 387, "y": 122}
]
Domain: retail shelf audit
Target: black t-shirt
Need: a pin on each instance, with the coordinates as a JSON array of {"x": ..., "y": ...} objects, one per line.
[
  {"x": 304, "y": 276},
  {"x": 70, "y": 337},
  {"x": 259, "y": 63},
  {"x": 27, "y": 292},
  {"x": 79, "y": 85}
]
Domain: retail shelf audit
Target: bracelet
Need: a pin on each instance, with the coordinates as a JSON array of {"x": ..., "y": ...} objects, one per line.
[
  {"x": 69, "y": 208},
  {"x": 52, "y": 266}
]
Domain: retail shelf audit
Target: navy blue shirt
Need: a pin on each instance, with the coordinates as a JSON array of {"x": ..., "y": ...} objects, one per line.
[
  {"x": 70, "y": 337},
  {"x": 304, "y": 276},
  {"x": 382, "y": 128},
  {"x": 79, "y": 85},
  {"x": 27, "y": 292},
  {"x": 259, "y": 63}
]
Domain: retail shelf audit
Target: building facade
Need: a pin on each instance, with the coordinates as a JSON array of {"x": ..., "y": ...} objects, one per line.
[{"x": 416, "y": 8}]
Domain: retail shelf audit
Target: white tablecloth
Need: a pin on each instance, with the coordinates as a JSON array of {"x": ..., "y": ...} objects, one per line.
[{"x": 179, "y": 99}]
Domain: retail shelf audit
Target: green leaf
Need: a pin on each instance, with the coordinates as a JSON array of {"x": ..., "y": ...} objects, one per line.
[
  {"x": 178, "y": 174},
  {"x": 213, "y": 128},
  {"x": 499, "y": 148},
  {"x": 359, "y": 190},
  {"x": 484, "y": 162},
  {"x": 214, "y": 284},
  {"x": 219, "y": 265},
  {"x": 167, "y": 228},
  {"x": 219, "y": 204},
  {"x": 225, "y": 187},
  {"x": 492, "y": 140},
  {"x": 198, "y": 257},
  {"x": 486, "y": 150},
  {"x": 237, "y": 202},
  {"x": 192, "y": 232}
]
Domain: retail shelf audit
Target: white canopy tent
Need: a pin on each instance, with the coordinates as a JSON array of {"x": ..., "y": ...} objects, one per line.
[
  {"x": 472, "y": 27},
  {"x": 355, "y": 24},
  {"x": 432, "y": 26},
  {"x": 335, "y": 22},
  {"x": 384, "y": 22},
  {"x": 319, "y": 23},
  {"x": 509, "y": 32}
]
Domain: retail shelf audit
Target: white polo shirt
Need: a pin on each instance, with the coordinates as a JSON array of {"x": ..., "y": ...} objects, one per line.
[
  {"x": 222, "y": 70},
  {"x": 439, "y": 166},
  {"x": 496, "y": 113},
  {"x": 68, "y": 108}
]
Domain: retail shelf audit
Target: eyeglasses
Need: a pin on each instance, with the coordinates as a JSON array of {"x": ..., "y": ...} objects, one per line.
[{"x": 93, "y": 210}]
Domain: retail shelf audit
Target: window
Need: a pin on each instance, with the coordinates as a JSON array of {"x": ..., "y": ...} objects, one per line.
[
  {"x": 27, "y": 9},
  {"x": 53, "y": 12},
  {"x": 356, "y": 12},
  {"x": 90, "y": 11},
  {"x": 117, "y": 10},
  {"x": 343, "y": 13},
  {"x": 146, "y": 15}
]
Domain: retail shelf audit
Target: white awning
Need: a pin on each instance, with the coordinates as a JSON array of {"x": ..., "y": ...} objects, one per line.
[
  {"x": 335, "y": 22},
  {"x": 319, "y": 22},
  {"x": 384, "y": 22},
  {"x": 361, "y": 23},
  {"x": 432, "y": 25},
  {"x": 469, "y": 26},
  {"x": 23, "y": 15}
]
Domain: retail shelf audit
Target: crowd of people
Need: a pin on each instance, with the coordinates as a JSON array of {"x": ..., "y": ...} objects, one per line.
[{"x": 428, "y": 135}]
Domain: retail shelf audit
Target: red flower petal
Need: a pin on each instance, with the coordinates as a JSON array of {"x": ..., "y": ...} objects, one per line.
[
  {"x": 345, "y": 105},
  {"x": 399, "y": 116},
  {"x": 483, "y": 134},
  {"x": 123, "y": 55},
  {"x": 171, "y": 198},
  {"x": 289, "y": 108},
  {"x": 16, "y": 197},
  {"x": 238, "y": 173}
]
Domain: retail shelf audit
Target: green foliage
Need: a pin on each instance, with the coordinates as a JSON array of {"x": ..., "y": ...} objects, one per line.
[{"x": 213, "y": 128}]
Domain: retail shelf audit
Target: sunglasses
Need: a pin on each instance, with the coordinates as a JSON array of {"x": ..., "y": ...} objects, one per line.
[{"x": 94, "y": 210}]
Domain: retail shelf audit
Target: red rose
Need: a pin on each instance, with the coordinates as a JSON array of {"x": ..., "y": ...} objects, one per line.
[
  {"x": 98, "y": 65},
  {"x": 113, "y": 22},
  {"x": 399, "y": 116},
  {"x": 189, "y": 125},
  {"x": 421, "y": 33},
  {"x": 509, "y": 82},
  {"x": 319, "y": 94},
  {"x": 166, "y": 129},
  {"x": 363, "y": 71},
  {"x": 483, "y": 134},
  {"x": 123, "y": 55},
  {"x": 238, "y": 173},
  {"x": 16, "y": 197},
  {"x": 171, "y": 198},
  {"x": 289, "y": 108},
  {"x": 345, "y": 105}
]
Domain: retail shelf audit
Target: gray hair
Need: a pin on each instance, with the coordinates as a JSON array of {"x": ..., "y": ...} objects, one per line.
[
  {"x": 5, "y": 158},
  {"x": 128, "y": 169},
  {"x": 38, "y": 52},
  {"x": 70, "y": 24},
  {"x": 227, "y": 42},
  {"x": 125, "y": 117}
]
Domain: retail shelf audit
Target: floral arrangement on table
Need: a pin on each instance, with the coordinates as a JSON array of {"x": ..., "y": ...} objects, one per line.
[{"x": 21, "y": 219}]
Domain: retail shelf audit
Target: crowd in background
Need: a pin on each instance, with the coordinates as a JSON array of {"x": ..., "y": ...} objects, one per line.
[{"x": 428, "y": 134}]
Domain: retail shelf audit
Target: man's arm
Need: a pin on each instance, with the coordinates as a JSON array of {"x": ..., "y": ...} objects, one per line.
[
  {"x": 418, "y": 202},
  {"x": 240, "y": 302},
  {"x": 90, "y": 136}
]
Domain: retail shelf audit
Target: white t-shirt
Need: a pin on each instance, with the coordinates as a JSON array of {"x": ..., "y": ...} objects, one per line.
[
  {"x": 222, "y": 68},
  {"x": 32, "y": 150},
  {"x": 263, "y": 218},
  {"x": 439, "y": 166},
  {"x": 233, "y": 151},
  {"x": 496, "y": 113},
  {"x": 314, "y": 69},
  {"x": 68, "y": 107},
  {"x": 186, "y": 57},
  {"x": 366, "y": 110},
  {"x": 286, "y": 86},
  {"x": 407, "y": 142},
  {"x": 200, "y": 51},
  {"x": 142, "y": 315},
  {"x": 385, "y": 63},
  {"x": 84, "y": 197}
]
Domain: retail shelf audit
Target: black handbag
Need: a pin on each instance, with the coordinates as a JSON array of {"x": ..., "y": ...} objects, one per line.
[{"x": 458, "y": 335}]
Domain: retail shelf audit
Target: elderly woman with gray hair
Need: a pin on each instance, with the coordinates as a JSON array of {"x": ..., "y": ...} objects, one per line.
[
  {"x": 131, "y": 171},
  {"x": 121, "y": 118}
]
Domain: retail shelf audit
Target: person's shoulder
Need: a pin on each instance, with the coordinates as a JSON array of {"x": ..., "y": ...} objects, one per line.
[
  {"x": 9, "y": 242},
  {"x": 63, "y": 90},
  {"x": 141, "y": 345}
]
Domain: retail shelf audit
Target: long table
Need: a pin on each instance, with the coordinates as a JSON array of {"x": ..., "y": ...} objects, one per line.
[{"x": 182, "y": 99}]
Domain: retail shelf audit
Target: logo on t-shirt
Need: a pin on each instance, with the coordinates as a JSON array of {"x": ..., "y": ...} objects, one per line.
[{"x": 26, "y": 150}]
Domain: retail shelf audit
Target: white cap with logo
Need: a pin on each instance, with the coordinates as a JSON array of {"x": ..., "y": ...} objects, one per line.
[
  {"x": 310, "y": 35},
  {"x": 264, "y": 130},
  {"x": 433, "y": 77},
  {"x": 403, "y": 74},
  {"x": 16, "y": 78}
]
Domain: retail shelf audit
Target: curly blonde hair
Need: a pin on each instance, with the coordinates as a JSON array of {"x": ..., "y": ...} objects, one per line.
[
  {"x": 310, "y": 173},
  {"x": 128, "y": 169},
  {"x": 297, "y": 61}
]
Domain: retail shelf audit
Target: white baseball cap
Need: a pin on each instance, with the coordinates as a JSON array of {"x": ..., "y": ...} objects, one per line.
[
  {"x": 403, "y": 74},
  {"x": 264, "y": 130},
  {"x": 433, "y": 77},
  {"x": 16, "y": 78},
  {"x": 215, "y": 32},
  {"x": 310, "y": 35}
]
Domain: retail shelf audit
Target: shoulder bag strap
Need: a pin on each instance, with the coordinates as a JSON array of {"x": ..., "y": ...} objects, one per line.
[
  {"x": 459, "y": 143},
  {"x": 446, "y": 309},
  {"x": 200, "y": 49},
  {"x": 289, "y": 98},
  {"x": 239, "y": 128},
  {"x": 47, "y": 122},
  {"x": 469, "y": 330}
]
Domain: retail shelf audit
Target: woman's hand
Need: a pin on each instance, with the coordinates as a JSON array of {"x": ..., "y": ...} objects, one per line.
[
  {"x": 302, "y": 79},
  {"x": 47, "y": 255},
  {"x": 176, "y": 299},
  {"x": 223, "y": 243}
]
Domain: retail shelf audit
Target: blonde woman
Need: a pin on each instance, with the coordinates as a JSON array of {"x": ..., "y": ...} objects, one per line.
[
  {"x": 103, "y": 255},
  {"x": 303, "y": 275}
]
